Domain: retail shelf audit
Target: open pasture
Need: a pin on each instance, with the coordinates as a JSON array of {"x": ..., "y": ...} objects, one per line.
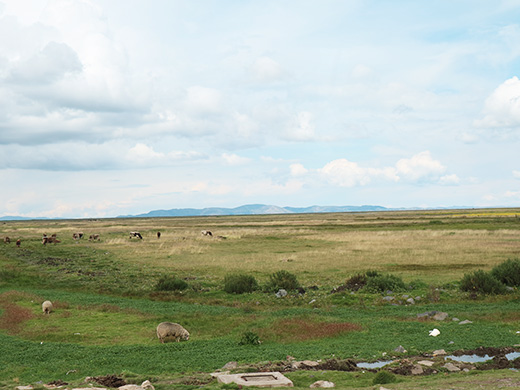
[{"x": 107, "y": 304}]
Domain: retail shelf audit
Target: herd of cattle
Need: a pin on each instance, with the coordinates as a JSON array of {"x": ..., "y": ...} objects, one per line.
[{"x": 53, "y": 239}]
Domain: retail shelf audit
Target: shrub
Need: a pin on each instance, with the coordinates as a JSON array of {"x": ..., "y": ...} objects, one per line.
[
  {"x": 384, "y": 282},
  {"x": 250, "y": 338},
  {"x": 171, "y": 283},
  {"x": 482, "y": 282},
  {"x": 282, "y": 279},
  {"x": 384, "y": 377},
  {"x": 508, "y": 272},
  {"x": 356, "y": 282},
  {"x": 239, "y": 284}
]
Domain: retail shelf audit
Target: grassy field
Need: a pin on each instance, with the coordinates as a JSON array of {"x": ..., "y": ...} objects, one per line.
[{"x": 107, "y": 303}]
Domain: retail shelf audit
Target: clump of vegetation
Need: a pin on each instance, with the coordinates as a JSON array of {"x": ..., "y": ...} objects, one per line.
[
  {"x": 282, "y": 279},
  {"x": 240, "y": 284},
  {"x": 171, "y": 283},
  {"x": 356, "y": 282},
  {"x": 481, "y": 282},
  {"x": 508, "y": 272},
  {"x": 384, "y": 282},
  {"x": 250, "y": 338},
  {"x": 384, "y": 377}
]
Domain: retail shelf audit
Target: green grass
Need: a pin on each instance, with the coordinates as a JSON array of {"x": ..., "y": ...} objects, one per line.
[{"x": 107, "y": 305}]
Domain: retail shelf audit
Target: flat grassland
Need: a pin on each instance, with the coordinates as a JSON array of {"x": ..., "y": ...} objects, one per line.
[{"x": 107, "y": 303}]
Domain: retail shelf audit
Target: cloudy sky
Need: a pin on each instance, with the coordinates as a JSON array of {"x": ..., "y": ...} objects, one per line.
[{"x": 112, "y": 107}]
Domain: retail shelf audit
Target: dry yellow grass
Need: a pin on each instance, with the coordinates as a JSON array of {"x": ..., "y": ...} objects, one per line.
[{"x": 439, "y": 246}]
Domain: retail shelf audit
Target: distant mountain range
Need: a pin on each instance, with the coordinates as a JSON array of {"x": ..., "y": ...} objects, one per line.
[
  {"x": 250, "y": 209},
  {"x": 253, "y": 209}
]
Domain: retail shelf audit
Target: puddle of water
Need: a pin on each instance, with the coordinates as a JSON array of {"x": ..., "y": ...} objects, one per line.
[
  {"x": 469, "y": 358},
  {"x": 480, "y": 359},
  {"x": 513, "y": 355},
  {"x": 374, "y": 365}
]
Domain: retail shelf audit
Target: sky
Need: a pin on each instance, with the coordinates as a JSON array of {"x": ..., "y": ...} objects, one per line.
[{"x": 118, "y": 107}]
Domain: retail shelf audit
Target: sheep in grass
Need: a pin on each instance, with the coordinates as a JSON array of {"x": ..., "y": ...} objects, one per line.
[
  {"x": 169, "y": 330},
  {"x": 47, "y": 307}
]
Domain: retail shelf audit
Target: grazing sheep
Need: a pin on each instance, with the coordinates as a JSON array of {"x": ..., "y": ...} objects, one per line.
[
  {"x": 47, "y": 307},
  {"x": 206, "y": 233},
  {"x": 7, "y": 240},
  {"x": 170, "y": 330},
  {"x": 94, "y": 237},
  {"x": 136, "y": 234}
]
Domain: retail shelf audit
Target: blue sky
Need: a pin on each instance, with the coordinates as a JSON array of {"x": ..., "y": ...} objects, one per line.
[{"x": 121, "y": 107}]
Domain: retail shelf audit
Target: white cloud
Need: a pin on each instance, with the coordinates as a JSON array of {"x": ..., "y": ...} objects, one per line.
[
  {"x": 516, "y": 174},
  {"x": 202, "y": 100},
  {"x": 266, "y": 69},
  {"x": 233, "y": 159},
  {"x": 449, "y": 180},
  {"x": 421, "y": 166},
  {"x": 298, "y": 170},
  {"x": 302, "y": 129},
  {"x": 502, "y": 107}
]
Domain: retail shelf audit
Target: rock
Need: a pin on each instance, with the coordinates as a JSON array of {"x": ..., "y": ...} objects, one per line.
[
  {"x": 130, "y": 387},
  {"x": 147, "y": 385},
  {"x": 230, "y": 366},
  {"x": 281, "y": 293},
  {"x": 465, "y": 322},
  {"x": 304, "y": 363},
  {"x": 24, "y": 387},
  {"x": 388, "y": 298},
  {"x": 417, "y": 369},
  {"x": 410, "y": 301},
  {"x": 89, "y": 388},
  {"x": 451, "y": 367},
  {"x": 439, "y": 352},
  {"x": 455, "y": 319},
  {"x": 322, "y": 384},
  {"x": 427, "y": 363},
  {"x": 440, "y": 316},
  {"x": 400, "y": 349}
]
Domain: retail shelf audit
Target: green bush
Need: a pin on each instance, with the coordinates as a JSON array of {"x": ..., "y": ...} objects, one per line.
[
  {"x": 508, "y": 272},
  {"x": 239, "y": 284},
  {"x": 171, "y": 283},
  {"x": 356, "y": 282},
  {"x": 384, "y": 377},
  {"x": 250, "y": 338},
  {"x": 282, "y": 279},
  {"x": 384, "y": 282},
  {"x": 482, "y": 282}
]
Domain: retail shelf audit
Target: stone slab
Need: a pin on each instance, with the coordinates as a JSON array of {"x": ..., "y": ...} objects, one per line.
[{"x": 258, "y": 379}]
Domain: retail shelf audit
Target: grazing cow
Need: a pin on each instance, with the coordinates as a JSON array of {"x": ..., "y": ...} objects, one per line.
[
  {"x": 158, "y": 234},
  {"x": 206, "y": 233},
  {"x": 77, "y": 236},
  {"x": 136, "y": 234},
  {"x": 50, "y": 240},
  {"x": 94, "y": 237},
  {"x": 7, "y": 240},
  {"x": 18, "y": 243}
]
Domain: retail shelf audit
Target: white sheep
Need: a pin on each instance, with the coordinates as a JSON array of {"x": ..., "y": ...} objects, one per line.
[
  {"x": 170, "y": 330},
  {"x": 47, "y": 307}
]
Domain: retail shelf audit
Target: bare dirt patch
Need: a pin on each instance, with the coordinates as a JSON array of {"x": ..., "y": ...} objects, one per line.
[{"x": 291, "y": 330}]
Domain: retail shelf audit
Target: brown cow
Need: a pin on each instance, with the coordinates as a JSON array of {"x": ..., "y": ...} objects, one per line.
[
  {"x": 18, "y": 243},
  {"x": 158, "y": 234},
  {"x": 94, "y": 237},
  {"x": 7, "y": 240}
]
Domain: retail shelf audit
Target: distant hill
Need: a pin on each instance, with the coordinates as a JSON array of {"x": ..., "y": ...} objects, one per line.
[{"x": 253, "y": 209}]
